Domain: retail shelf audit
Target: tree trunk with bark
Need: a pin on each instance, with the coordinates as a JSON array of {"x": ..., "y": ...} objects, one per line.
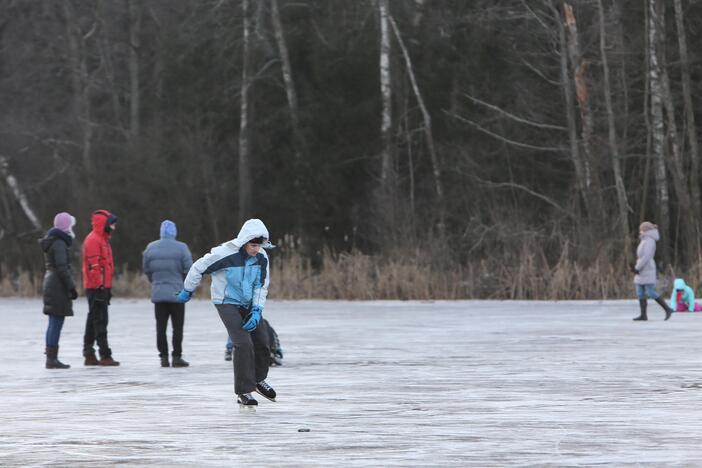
[
  {"x": 245, "y": 185},
  {"x": 134, "y": 87},
  {"x": 622, "y": 203},
  {"x": 658, "y": 127}
]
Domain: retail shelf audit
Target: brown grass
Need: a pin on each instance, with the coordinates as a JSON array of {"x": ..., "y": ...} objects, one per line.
[{"x": 357, "y": 276}]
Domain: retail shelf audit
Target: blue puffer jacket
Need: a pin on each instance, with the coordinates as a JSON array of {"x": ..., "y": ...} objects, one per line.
[
  {"x": 688, "y": 295},
  {"x": 237, "y": 278},
  {"x": 166, "y": 262}
]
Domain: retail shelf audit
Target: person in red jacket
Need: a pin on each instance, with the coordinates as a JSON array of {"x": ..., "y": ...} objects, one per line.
[{"x": 98, "y": 267}]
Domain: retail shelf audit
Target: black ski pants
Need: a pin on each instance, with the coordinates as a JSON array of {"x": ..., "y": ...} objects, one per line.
[
  {"x": 176, "y": 312},
  {"x": 96, "y": 324}
]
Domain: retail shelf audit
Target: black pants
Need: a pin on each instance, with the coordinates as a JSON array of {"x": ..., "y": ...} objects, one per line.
[
  {"x": 96, "y": 325},
  {"x": 251, "y": 350},
  {"x": 176, "y": 311}
]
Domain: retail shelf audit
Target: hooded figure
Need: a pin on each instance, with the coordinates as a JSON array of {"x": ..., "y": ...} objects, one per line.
[
  {"x": 98, "y": 267},
  {"x": 645, "y": 263},
  {"x": 165, "y": 263},
  {"x": 240, "y": 278},
  {"x": 683, "y": 297},
  {"x": 645, "y": 270},
  {"x": 58, "y": 288}
]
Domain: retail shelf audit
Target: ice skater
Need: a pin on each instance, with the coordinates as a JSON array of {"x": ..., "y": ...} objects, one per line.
[
  {"x": 165, "y": 263},
  {"x": 240, "y": 279},
  {"x": 59, "y": 289},
  {"x": 645, "y": 270}
]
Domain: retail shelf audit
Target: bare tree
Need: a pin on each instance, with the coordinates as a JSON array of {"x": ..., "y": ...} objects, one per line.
[
  {"x": 657, "y": 123},
  {"x": 691, "y": 129},
  {"x": 286, "y": 69},
  {"x": 19, "y": 193},
  {"x": 244, "y": 165},
  {"x": 134, "y": 45},
  {"x": 622, "y": 203}
]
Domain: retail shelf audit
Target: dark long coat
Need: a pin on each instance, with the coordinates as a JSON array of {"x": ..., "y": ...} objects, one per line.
[{"x": 58, "y": 279}]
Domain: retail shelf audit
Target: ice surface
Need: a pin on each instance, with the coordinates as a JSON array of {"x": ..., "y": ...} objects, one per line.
[{"x": 377, "y": 383}]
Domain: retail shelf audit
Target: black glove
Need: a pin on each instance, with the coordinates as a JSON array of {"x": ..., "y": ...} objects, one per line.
[
  {"x": 634, "y": 270},
  {"x": 100, "y": 294},
  {"x": 73, "y": 294}
]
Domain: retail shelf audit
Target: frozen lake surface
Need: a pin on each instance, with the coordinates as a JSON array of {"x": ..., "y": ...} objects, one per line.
[{"x": 376, "y": 383}]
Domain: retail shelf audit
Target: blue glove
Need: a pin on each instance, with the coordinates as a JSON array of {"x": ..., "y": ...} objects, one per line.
[
  {"x": 184, "y": 295},
  {"x": 251, "y": 320}
]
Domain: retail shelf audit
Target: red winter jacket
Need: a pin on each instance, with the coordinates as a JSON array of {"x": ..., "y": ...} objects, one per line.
[{"x": 98, "y": 264}]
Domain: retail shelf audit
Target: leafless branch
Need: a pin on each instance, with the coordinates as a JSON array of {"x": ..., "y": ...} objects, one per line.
[
  {"x": 554, "y": 149},
  {"x": 514, "y": 117}
]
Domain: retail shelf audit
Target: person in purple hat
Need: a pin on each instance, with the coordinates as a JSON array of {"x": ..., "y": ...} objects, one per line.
[{"x": 58, "y": 289}]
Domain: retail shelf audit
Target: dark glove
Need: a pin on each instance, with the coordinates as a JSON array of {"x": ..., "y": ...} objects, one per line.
[
  {"x": 101, "y": 294},
  {"x": 184, "y": 295},
  {"x": 634, "y": 270},
  {"x": 252, "y": 319},
  {"x": 73, "y": 294}
]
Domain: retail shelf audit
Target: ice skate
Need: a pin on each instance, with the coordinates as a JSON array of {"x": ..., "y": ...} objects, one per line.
[
  {"x": 245, "y": 399},
  {"x": 265, "y": 390}
]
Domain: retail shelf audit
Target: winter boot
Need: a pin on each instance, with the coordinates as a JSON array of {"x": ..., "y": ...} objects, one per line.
[
  {"x": 227, "y": 355},
  {"x": 642, "y": 305},
  {"x": 108, "y": 361},
  {"x": 180, "y": 362},
  {"x": 91, "y": 360},
  {"x": 266, "y": 390},
  {"x": 164, "y": 362},
  {"x": 245, "y": 399},
  {"x": 668, "y": 310},
  {"x": 52, "y": 361}
]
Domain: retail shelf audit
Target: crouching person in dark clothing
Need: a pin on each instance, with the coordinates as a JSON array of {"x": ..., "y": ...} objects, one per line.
[
  {"x": 58, "y": 288},
  {"x": 240, "y": 278},
  {"x": 166, "y": 262}
]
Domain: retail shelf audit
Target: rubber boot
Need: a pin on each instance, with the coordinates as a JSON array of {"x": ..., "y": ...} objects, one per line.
[
  {"x": 642, "y": 305},
  {"x": 52, "y": 361},
  {"x": 164, "y": 362},
  {"x": 668, "y": 310}
]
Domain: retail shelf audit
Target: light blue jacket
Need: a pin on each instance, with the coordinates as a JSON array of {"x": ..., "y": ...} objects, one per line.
[
  {"x": 688, "y": 296},
  {"x": 237, "y": 278},
  {"x": 165, "y": 263}
]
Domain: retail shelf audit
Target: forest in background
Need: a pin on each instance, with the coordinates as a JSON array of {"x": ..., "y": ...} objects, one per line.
[{"x": 394, "y": 148}]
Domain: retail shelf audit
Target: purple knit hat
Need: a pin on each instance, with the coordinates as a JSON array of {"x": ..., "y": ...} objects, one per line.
[{"x": 65, "y": 222}]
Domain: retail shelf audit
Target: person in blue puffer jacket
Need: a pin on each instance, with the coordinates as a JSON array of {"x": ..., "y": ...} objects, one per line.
[
  {"x": 165, "y": 263},
  {"x": 683, "y": 297},
  {"x": 240, "y": 279}
]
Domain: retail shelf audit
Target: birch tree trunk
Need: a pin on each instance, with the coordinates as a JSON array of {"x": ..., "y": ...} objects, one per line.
[
  {"x": 19, "y": 194},
  {"x": 428, "y": 134},
  {"x": 134, "y": 44},
  {"x": 658, "y": 126},
  {"x": 622, "y": 203},
  {"x": 244, "y": 166},
  {"x": 387, "y": 192}
]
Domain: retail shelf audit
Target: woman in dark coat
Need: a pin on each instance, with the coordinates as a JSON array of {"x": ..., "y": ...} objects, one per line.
[{"x": 59, "y": 290}]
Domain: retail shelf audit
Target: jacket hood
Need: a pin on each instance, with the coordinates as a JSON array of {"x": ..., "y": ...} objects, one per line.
[
  {"x": 679, "y": 283},
  {"x": 251, "y": 229},
  {"x": 168, "y": 229},
  {"x": 101, "y": 218},
  {"x": 51, "y": 237},
  {"x": 652, "y": 234}
]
